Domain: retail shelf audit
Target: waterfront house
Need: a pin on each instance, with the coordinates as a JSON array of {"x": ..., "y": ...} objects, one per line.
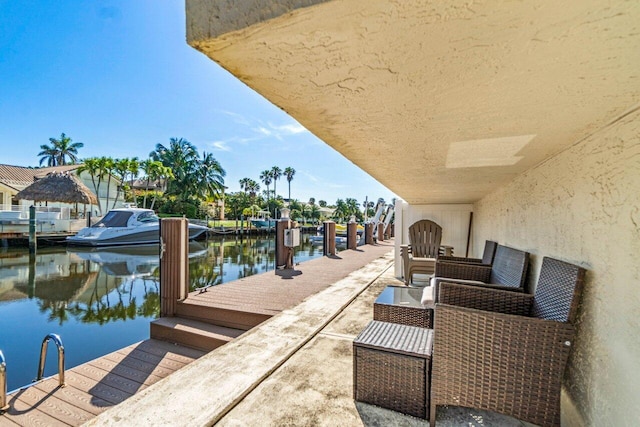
[
  {"x": 525, "y": 115},
  {"x": 16, "y": 178}
]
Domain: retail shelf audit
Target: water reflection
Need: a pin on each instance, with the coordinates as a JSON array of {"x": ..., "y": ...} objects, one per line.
[{"x": 102, "y": 300}]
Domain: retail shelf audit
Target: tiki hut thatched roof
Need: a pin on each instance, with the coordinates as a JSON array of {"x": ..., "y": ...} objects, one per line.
[{"x": 58, "y": 187}]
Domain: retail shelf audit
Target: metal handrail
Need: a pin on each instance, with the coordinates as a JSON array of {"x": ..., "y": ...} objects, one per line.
[
  {"x": 43, "y": 355},
  {"x": 3, "y": 384}
]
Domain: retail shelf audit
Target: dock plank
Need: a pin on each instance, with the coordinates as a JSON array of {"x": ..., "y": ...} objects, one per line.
[
  {"x": 155, "y": 360},
  {"x": 129, "y": 361},
  {"x": 104, "y": 377},
  {"x": 132, "y": 374},
  {"x": 74, "y": 396},
  {"x": 95, "y": 386},
  {"x": 170, "y": 350},
  {"x": 30, "y": 398},
  {"x": 32, "y": 418}
]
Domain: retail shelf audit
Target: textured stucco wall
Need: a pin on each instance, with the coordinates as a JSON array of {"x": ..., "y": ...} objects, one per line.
[
  {"x": 209, "y": 18},
  {"x": 583, "y": 206}
]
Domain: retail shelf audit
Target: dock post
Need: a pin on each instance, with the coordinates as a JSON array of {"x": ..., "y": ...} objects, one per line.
[
  {"x": 352, "y": 234},
  {"x": 380, "y": 232},
  {"x": 88, "y": 216},
  {"x": 282, "y": 252},
  {"x": 368, "y": 233},
  {"x": 387, "y": 231},
  {"x": 174, "y": 264},
  {"x": 329, "y": 239},
  {"x": 33, "y": 242}
]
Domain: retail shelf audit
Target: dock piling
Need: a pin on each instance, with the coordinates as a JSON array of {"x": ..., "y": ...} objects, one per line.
[
  {"x": 33, "y": 242},
  {"x": 368, "y": 233},
  {"x": 352, "y": 235},
  {"x": 174, "y": 264},
  {"x": 329, "y": 239}
]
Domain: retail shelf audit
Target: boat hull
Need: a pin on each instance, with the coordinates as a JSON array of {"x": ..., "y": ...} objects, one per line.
[
  {"x": 263, "y": 224},
  {"x": 128, "y": 237}
]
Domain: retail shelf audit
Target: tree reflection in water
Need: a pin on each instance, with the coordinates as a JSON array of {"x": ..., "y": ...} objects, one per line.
[{"x": 118, "y": 284}]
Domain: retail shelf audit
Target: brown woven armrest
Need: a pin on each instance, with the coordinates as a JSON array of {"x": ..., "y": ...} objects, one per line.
[
  {"x": 498, "y": 362},
  {"x": 459, "y": 259},
  {"x": 484, "y": 298},
  {"x": 457, "y": 270}
]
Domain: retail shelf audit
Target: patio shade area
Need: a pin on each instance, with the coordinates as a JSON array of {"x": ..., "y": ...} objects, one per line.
[{"x": 527, "y": 112}]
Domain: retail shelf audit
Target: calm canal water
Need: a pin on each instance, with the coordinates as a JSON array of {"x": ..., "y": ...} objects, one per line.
[{"x": 100, "y": 301}]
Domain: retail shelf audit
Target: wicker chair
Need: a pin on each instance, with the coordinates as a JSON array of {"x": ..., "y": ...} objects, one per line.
[
  {"x": 487, "y": 256},
  {"x": 505, "y": 351},
  {"x": 420, "y": 255},
  {"x": 508, "y": 272}
]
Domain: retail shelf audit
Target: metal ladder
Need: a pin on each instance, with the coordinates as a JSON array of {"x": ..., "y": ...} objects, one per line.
[
  {"x": 43, "y": 355},
  {"x": 3, "y": 384}
]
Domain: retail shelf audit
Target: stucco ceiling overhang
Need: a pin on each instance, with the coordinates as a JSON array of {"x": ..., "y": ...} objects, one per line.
[{"x": 442, "y": 102}]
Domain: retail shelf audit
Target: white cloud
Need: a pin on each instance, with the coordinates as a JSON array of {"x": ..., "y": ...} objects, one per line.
[
  {"x": 221, "y": 145},
  {"x": 310, "y": 177},
  {"x": 288, "y": 129},
  {"x": 251, "y": 130},
  {"x": 237, "y": 118},
  {"x": 263, "y": 131}
]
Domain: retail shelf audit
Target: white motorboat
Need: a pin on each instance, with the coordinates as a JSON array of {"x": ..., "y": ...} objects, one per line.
[
  {"x": 126, "y": 226},
  {"x": 262, "y": 221}
]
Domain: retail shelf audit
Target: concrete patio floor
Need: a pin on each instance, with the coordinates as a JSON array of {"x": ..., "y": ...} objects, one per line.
[{"x": 257, "y": 380}]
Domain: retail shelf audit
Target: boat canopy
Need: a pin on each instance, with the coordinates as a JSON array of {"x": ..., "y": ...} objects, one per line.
[{"x": 115, "y": 219}]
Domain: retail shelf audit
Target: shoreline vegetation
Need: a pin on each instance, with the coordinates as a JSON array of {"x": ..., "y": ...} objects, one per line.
[{"x": 176, "y": 180}]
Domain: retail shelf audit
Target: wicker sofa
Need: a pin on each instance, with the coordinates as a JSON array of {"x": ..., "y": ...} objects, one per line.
[
  {"x": 508, "y": 272},
  {"x": 506, "y": 351},
  {"x": 487, "y": 255}
]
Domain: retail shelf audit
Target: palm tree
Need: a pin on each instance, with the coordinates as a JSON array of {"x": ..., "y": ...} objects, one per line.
[
  {"x": 49, "y": 154},
  {"x": 120, "y": 169},
  {"x": 265, "y": 177},
  {"x": 56, "y": 154},
  {"x": 151, "y": 169},
  {"x": 106, "y": 165},
  {"x": 182, "y": 157},
  {"x": 164, "y": 175},
  {"x": 243, "y": 184},
  {"x": 133, "y": 172},
  {"x": 210, "y": 177},
  {"x": 342, "y": 210},
  {"x": 276, "y": 173},
  {"x": 315, "y": 213},
  {"x": 352, "y": 206},
  {"x": 251, "y": 188},
  {"x": 92, "y": 166},
  {"x": 289, "y": 172}
]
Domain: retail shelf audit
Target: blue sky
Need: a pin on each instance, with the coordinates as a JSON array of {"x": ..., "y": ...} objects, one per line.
[{"x": 120, "y": 77}]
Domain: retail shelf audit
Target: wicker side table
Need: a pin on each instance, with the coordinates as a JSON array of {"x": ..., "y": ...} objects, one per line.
[
  {"x": 391, "y": 367},
  {"x": 401, "y": 304}
]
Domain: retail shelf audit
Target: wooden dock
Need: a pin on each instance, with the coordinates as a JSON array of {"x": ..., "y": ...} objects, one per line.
[
  {"x": 204, "y": 321},
  {"x": 95, "y": 386}
]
